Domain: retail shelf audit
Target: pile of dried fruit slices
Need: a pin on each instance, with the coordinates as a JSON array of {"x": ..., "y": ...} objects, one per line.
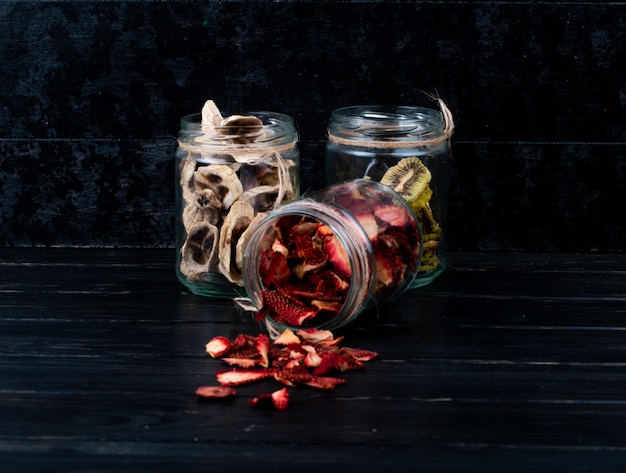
[{"x": 301, "y": 358}]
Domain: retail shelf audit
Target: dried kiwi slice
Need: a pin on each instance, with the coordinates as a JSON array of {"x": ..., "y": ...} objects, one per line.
[{"x": 409, "y": 178}]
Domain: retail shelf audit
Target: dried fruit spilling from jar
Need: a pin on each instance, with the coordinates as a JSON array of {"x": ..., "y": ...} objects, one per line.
[
  {"x": 308, "y": 357},
  {"x": 306, "y": 272}
]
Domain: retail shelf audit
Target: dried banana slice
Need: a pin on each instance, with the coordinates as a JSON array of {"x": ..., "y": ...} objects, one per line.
[
  {"x": 242, "y": 129},
  {"x": 264, "y": 198},
  {"x": 245, "y": 238},
  {"x": 220, "y": 180},
  {"x": 200, "y": 251},
  {"x": 235, "y": 223},
  {"x": 211, "y": 114}
]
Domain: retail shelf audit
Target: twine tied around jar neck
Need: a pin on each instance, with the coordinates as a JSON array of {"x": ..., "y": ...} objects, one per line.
[{"x": 444, "y": 137}]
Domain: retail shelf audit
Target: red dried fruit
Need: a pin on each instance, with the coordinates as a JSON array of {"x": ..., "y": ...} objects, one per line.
[
  {"x": 241, "y": 362},
  {"x": 217, "y": 346},
  {"x": 324, "y": 382},
  {"x": 360, "y": 354},
  {"x": 263, "y": 347},
  {"x": 237, "y": 377},
  {"x": 393, "y": 215},
  {"x": 278, "y": 400},
  {"x": 312, "y": 359},
  {"x": 346, "y": 362},
  {"x": 293, "y": 375},
  {"x": 330, "y": 284},
  {"x": 331, "y": 307},
  {"x": 283, "y": 309},
  {"x": 327, "y": 363},
  {"x": 244, "y": 346},
  {"x": 338, "y": 256},
  {"x": 215, "y": 392},
  {"x": 284, "y": 226},
  {"x": 294, "y": 359},
  {"x": 273, "y": 268}
]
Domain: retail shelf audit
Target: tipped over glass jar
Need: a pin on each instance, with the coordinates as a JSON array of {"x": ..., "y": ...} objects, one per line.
[
  {"x": 230, "y": 171},
  {"x": 406, "y": 148},
  {"x": 320, "y": 261}
]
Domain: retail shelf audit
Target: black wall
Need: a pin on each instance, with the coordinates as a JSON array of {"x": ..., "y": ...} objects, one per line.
[{"x": 91, "y": 94}]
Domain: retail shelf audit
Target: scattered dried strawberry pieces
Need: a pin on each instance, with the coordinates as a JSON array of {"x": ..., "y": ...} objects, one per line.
[{"x": 301, "y": 358}]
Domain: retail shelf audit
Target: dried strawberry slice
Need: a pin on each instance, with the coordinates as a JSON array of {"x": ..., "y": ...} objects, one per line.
[
  {"x": 315, "y": 335},
  {"x": 393, "y": 215},
  {"x": 360, "y": 354},
  {"x": 278, "y": 400},
  {"x": 218, "y": 346},
  {"x": 284, "y": 226},
  {"x": 338, "y": 256},
  {"x": 310, "y": 256},
  {"x": 346, "y": 362},
  {"x": 244, "y": 346},
  {"x": 330, "y": 307},
  {"x": 327, "y": 363},
  {"x": 312, "y": 359},
  {"x": 263, "y": 347},
  {"x": 236, "y": 377},
  {"x": 215, "y": 392},
  {"x": 273, "y": 268},
  {"x": 283, "y": 309},
  {"x": 328, "y": 285},
  {"x": 389, "y": 265},
  {"x": 293, "y": 375},
  {"x": 241, "y": 362},
  {"x": 324, "y": 382}
]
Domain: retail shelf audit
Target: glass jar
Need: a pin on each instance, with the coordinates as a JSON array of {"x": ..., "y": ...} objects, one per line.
[
  {"x": 321, "y": 260},
  {"x": 406, "y": 148},
  {"x": 228, "y": 176}
]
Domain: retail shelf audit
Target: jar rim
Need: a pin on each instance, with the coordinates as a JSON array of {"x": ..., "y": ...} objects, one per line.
[
  {"x": 193, "y": 121},
  {"x": 386, "y": 122},
  {"x": 276, "y": 129},
  {"x": 362, "y": 268}
]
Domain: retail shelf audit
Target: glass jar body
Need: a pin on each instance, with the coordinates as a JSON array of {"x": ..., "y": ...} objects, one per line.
[
  {"x": 332, "y": 254},
  {"x": 226, "y": 180},
  {"x": 374, "y": 142}
]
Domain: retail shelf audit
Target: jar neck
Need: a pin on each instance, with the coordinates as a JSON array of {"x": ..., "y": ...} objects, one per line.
[
  {"x": 380, "y": 126},
  {"x": 277, "y": 133}
]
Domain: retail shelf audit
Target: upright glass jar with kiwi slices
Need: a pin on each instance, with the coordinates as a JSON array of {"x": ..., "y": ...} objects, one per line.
[{"x": 406, "y": 148}]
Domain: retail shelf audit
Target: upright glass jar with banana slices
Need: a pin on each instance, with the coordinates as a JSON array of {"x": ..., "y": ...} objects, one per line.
[
  {"x": 231, "y": 171},
  {"x": 406, "y": 148}
]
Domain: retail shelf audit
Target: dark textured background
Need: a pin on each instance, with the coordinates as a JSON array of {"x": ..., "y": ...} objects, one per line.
[{"x": 91, "y": 94}]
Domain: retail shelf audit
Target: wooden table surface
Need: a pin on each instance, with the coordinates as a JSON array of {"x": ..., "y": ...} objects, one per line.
[{"x": 507, "y": 362}]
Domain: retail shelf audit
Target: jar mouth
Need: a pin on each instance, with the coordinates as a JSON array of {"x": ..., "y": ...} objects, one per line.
[
  {"x": 366, "y": 122},
  {"x": 361, "y": 268},
  {"x": 276, "y": 128}
]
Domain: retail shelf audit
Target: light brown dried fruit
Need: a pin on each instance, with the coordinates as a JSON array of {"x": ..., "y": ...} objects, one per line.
[{"x": 215, "y": 392}]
